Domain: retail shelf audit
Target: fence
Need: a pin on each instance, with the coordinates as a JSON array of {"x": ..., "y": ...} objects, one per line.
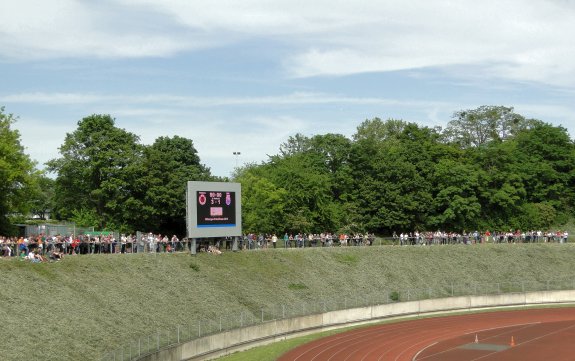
[
  {"x": 28, "y": 230},
  {"x": 142, "y": 244},
  {"x": 244, "y": 318}
]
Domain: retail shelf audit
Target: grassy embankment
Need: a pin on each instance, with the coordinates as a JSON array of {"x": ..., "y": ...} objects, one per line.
[{"x": 83, "y": 306}]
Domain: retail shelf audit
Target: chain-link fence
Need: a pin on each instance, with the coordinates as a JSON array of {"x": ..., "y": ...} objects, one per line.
[
  {"x": 49, "y": 230},
  {"x": 235, "y": 320}
]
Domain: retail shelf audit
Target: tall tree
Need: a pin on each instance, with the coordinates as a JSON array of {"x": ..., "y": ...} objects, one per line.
[
  {"x": 16, "y": 173},
  {"x": 455, "y": 202},
  {"x": 298, "y": 143},
  {"x": 96, "y": 171},
  {"x": 546, "y": 157},
  {"x": 264, "y": 204},
  {"x": 475, "y": 127},
  {"x": 169, "y": 164},
  {"x": 391, "y": 168},
  {"x": 42, "y": 202}
]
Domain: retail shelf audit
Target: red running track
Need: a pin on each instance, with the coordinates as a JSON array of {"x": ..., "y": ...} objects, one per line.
[{"x": 535, "y": 334}]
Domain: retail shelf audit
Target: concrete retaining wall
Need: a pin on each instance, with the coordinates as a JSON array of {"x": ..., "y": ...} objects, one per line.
[{"x": 213, "y": 346}]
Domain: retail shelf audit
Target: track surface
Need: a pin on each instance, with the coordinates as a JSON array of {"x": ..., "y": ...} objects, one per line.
[{"x": 537, "y": 334}]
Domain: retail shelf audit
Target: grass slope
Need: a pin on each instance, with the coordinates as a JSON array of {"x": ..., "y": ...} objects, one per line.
[{"x": 83, "y": 306}]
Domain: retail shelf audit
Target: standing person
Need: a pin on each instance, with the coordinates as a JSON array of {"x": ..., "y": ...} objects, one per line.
[
  {"x": 97, "y": 248},
  {"x": 176, "y": 243},
  {"x": 261, "y": 241},
  {"x": 274, "y": 240},
  {"x": 297, "y": 241},
  {"x": 286, "y": 240},
  {"x": 123, "y": 240}
]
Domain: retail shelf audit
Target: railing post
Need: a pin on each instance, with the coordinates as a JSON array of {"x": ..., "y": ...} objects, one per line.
[
  {"x": 178, "y": 333},
  {"x": 262, "y": 315},
  {"x": 452, "y": 289},
  {"x": 220, "y": 323},
  {"x": 158, "y": 340},
  {"x": 283, "y": 311}
]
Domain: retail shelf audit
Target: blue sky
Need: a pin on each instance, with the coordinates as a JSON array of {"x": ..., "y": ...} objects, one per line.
[{"x": 245, "y": 75}]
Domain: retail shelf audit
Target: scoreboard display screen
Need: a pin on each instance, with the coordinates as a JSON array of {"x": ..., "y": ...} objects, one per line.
[
  {"x": 216, "y": 209},
  {"x": 213, "y": 209}
]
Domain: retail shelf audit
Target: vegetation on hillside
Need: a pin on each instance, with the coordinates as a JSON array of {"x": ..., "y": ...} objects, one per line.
[{"x": 84, "y": 306}]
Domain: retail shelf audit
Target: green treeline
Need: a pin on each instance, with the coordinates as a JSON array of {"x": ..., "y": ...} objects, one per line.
[{"x": 490, "y": 168}]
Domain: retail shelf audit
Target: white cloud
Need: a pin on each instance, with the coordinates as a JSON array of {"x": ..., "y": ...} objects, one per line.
[
  {"x": 36, "y": 29},
  {"x": 513, "y": 39},
  {"x": 169, "y": 101}
]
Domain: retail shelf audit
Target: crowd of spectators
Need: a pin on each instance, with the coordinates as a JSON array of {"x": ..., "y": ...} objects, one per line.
[
  {"x": 442, "y": 237},
  {"x": 55, "y": 247},
  {"x": 42, "y": 248},
  {"x": 303, "y": 240}
]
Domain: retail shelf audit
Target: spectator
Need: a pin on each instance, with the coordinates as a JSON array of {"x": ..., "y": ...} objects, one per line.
[{"x": 214, "y": 250}]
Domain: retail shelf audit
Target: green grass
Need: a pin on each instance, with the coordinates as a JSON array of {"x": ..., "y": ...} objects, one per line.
[
  {"x": 274, "y": 351},
  {"x": 83, "y": 306}
]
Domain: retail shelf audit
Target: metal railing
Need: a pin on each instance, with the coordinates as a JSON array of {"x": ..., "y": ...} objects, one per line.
[{"x": 242, "y": 318}]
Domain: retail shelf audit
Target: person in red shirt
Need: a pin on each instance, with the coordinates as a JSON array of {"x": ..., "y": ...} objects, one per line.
[
  {"x": 75, "y": 245},
  {"x": 487, "y": 235}
]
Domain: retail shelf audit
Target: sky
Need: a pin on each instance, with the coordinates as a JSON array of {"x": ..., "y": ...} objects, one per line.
[{"x": 243, "y": 76}]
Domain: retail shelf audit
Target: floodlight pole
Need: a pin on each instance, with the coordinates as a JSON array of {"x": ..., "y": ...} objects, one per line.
[{"x": 237, "y": 154}]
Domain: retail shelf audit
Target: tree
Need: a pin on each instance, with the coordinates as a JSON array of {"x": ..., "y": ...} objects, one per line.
[
  {"x": 97, "y": 170},
  {"x": 42, "y": 202},
  {"x": 475, "y": 127},
  {"x": 169, "y": 164},
  {"x": 455, "y": 201},
  {"x": 546, "y": 162},
  {"x": 298, "y": 143},
  {"x": 376, "y": 130},
  {"x": 391, "y": 170},
  {"x": 263, "y": 203},
  {"x": 16, "y": 173},
  {"x": 309, "y": 188}
]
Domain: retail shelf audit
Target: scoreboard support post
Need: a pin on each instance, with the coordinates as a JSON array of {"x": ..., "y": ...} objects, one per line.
[{"x": 193, "y": 247}]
